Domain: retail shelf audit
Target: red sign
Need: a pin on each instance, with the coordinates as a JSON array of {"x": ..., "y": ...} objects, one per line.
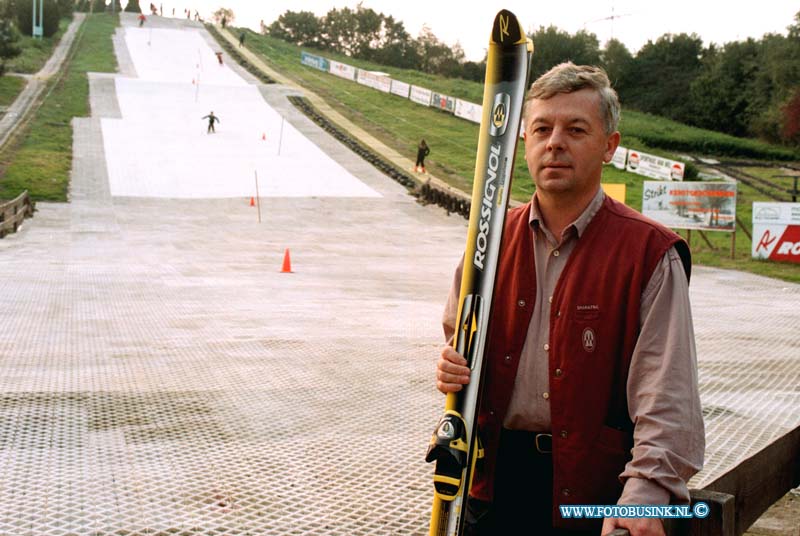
[{"x": 779, "y": 246}]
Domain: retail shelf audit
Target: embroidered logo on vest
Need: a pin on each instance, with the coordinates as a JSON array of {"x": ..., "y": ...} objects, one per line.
[{"x": 588, "y": 340}]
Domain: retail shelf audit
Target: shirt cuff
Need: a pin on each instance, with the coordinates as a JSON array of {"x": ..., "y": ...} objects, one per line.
[{"x": 643, "y": 491}]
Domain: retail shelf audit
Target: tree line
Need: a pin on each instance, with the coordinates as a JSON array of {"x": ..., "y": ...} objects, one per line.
[{"x": 744, "y": 88}]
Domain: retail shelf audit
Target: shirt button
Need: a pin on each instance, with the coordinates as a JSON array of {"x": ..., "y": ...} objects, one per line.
[
  {"x": 559, "y": 372},
  {"x": 546, "y": 396},
  {"x": 556, "y": 253},
  {"x": 563, "y": 434},
  {"x": 558, "y": 314},
  {"x": 521, "y": 303},
  {"x": 565, "y": 492},
  {"x": 550, "y": 299},
  {"x": 507, "y": 358},
  {"x": 546, "y": 347}
]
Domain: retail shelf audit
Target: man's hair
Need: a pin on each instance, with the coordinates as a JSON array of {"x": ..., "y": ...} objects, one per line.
[{"x": 568, "y": 77}]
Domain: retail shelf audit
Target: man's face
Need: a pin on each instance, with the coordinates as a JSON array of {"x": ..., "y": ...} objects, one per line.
[{"x": 566, "y": 143}]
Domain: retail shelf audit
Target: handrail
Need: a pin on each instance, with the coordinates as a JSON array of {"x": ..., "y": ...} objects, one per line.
[{"x": 12, "y": 213}]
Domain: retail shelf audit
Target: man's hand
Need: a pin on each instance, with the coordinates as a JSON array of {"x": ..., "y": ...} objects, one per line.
[
  {"x": 452, "y": 372},
  {"x": 637, "y": 527}
]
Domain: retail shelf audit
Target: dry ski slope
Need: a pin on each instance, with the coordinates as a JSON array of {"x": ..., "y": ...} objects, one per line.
[{"x": 160, "y": 376}]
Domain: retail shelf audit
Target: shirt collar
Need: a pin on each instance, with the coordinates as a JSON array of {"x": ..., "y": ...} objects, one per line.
[{"x": 580, "y": 224}]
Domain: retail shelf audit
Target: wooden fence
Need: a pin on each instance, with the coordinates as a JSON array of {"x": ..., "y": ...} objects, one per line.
[{"x": 13, "y": 212}]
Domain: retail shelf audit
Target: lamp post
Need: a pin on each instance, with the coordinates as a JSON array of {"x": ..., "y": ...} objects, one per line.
[{"x": 38, "y": 29}]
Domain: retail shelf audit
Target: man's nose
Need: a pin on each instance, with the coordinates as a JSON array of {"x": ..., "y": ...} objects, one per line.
[{"x": 556, "y": 140}]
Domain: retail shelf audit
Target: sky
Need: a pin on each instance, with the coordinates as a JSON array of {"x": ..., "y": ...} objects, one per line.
[{"x": 634, "y": 22}]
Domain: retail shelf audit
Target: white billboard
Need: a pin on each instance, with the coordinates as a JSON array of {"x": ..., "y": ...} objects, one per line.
[
  {"x": 691, "y": 205},
  {"x": 375, "y": 80},
  {"x": 655, "y": 167},
  {"x": 468, "y": 110},
  {"x": 620, "y": 157},
  {"x": 343, "y": 70},
  {"x": 421, "y": 95},
  {"x": 776, "y": 231},
  {"x": 400, "y": 88}
]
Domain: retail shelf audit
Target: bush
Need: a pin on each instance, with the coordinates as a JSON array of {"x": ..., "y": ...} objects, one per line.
[
  {"x": 25, "y": 17},
  {"x": 66, "y": 7}
]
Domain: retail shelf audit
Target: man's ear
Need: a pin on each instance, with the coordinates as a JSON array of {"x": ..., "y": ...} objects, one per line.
[{"x": 611, "y": 147}]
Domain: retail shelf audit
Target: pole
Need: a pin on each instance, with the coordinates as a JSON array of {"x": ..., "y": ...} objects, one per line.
[
  {"x": 258, "y": 197},
  {"x": 794, "y": 192},
  {"x": 280, "y": 138},
  {"x": 733, "y": 244},
  {"x": 689, "y": 237}
]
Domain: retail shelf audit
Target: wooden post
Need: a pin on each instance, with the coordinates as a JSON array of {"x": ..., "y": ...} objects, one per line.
[
  {"x": 733, "y": 243},
  {"x": 689, "y": 237}
]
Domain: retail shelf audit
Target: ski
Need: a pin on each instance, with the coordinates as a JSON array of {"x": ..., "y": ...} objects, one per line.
[{"x": 455, "y": 445}]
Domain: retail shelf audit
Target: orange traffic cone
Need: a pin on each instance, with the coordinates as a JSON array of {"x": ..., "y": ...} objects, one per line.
[
  {"x": 252, "y": 201},
  {"x": 287, "y": 263}
]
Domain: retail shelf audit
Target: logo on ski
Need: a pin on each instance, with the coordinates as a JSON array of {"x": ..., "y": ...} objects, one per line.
[
  {"x": 487, "y": 206},
  {"x": 503, "y": 27},
  {"x": 502, "y": 101}
]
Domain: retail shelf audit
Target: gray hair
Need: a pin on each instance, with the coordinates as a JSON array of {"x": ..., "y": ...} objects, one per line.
[{"x": 568, "y": 77}]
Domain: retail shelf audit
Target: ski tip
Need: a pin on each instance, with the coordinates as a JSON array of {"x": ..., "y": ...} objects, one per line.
[{"x": 507, "y": 30}]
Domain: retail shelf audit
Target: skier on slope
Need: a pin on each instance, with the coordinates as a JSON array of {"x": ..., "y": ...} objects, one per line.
[{"x": 211, "y": 120}]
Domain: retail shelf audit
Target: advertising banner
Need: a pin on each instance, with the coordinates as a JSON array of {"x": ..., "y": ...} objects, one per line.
[
  {"x": 620, "y": 157},
  {"x": 420, "y": 95},
  {"x": 709, "y": 206},
  {"x": 776, "y": 231},
  {"x": 468, "y": 110},
  {"x": 443, "y": 102},
  {"x": 400, "y": 88},
  {"x": 654, "y": 167},
  {"x": 375, "y": 80},
  {"x": 343, "y": 70},
  {"x": 318, "y": 62}
]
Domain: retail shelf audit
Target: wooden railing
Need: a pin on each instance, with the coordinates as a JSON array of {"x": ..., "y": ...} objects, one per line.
[{"x": 13, "y": 212}]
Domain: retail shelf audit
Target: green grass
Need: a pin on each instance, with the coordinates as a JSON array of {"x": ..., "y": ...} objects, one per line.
[
  {"x": 36, "y": 52},
  {"x": 400, "y": 123},
  {"x": 41, "y": 162},
  {"x": 10, "y": 87}
]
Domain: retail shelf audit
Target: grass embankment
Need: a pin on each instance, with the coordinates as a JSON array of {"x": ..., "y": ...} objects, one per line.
[
  {"x": 36, "y": 52},
  {"x": 400, "y": 123},
  {"x": 40, "y": 161},
  {"x": 10, "y": 87}
]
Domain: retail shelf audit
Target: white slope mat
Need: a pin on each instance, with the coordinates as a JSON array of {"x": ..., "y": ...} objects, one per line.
[{"x": 160, "y": 147}]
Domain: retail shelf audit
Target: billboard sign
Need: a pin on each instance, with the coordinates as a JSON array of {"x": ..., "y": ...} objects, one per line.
[
  {"x": 469, "y": 111},
  {"x": 343, "y": 70},
  {"x": 655, "y": 167},
  {"x": 420, "y": 95},
  {"x": 318, "y": 62},
  {"x": 776, "y": 231},
  {"x": 709, "y": 206}
]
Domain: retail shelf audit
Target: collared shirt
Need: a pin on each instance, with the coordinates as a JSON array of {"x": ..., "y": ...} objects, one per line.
[{"x": 663, "y": 397}]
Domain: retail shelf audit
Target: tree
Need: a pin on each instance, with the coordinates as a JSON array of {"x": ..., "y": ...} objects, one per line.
[
  {"x": 223, "y": 13},
  {"x": 302, "y": 28},
  {"x": 9, "y": 43},
  {"x": 339, "y": 27},
  {"x": 554, "y": 46},
  {"x": 65, "y": 8},
  {"x": 661, "y": 76},
  {"x": 133, "y": 7},
  {"x": 720, "y": 96},
  {"x": 616, "y": 59}
]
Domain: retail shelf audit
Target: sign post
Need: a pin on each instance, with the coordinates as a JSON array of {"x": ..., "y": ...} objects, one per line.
[{"x": 38, "y": 28}]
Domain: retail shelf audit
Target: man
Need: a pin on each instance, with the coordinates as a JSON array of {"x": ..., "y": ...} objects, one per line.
[
  {"x": 591, "y": 379},
  {"x": 211, "y": 120}
]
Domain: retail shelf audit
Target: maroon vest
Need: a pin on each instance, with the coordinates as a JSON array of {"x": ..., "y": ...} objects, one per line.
[{"x": 594, "y": 326}]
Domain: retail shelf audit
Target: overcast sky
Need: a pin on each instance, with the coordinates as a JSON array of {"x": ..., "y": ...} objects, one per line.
[{"x": 635, "y": 22}]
